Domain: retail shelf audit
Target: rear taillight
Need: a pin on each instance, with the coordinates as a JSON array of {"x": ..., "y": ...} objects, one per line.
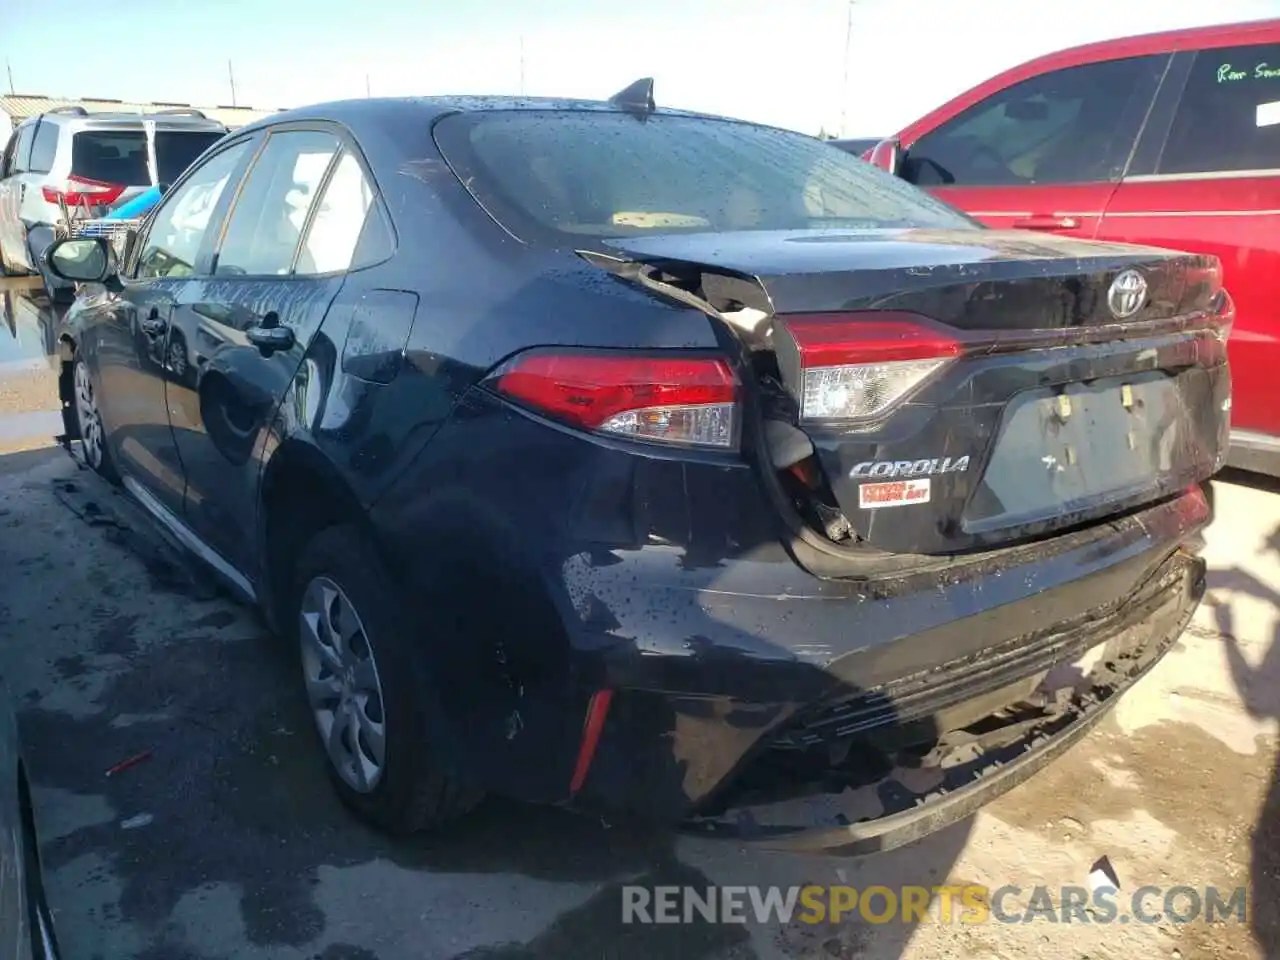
[
  {"x": 856, "y": 366},
  {"x": 688, "y": 401},
  {"x": 81, "y": 191}
]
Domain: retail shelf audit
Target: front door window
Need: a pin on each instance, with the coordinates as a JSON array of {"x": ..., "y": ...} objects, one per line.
[
  {"x": 1068, "y": 126},
  {"x": 177, "y": 232}
]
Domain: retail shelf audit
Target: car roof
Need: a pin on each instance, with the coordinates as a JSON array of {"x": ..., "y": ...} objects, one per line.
[
  {"x": 428, "y": 109},
  {"x": 1168, "y": 41}
]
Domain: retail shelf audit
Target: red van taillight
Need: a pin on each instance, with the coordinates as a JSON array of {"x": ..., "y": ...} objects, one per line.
[
  {"x": 686, "y": 401},
  {"x": 856, "y": 366},
  {"x": 81, "y": 191}
]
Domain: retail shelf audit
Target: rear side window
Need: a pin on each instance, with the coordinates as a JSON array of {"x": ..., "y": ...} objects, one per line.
[
  {"x": 177, "y": 149},
  {"x": 1076, "y": 125},
  {"x": 44, "y": 148},
  {"x": 339, "y": 220},
  {"x": 266, "y": 223},
  {"x": 111, "y": 156},
  {"x": 1229, "y": 115},
  {"x": 567, "y": 174}
]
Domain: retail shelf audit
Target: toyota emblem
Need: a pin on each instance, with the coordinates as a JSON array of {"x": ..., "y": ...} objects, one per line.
[{"x": 1128, "y": 294}]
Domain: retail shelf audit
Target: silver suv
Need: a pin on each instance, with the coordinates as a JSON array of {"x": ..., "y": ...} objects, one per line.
[{"x": 92, "y": 161}]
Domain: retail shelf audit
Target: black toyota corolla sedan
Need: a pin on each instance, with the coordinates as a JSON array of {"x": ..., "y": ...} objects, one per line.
[{"x": 656, "y": 463}]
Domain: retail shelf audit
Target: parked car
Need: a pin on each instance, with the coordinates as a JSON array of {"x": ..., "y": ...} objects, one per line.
[
  {"x": 1169, "y": 139},
  {"x": 94, "y": 162},
  {"x": 26, "y": 923},
  {"x": 656, "y": 463},
  {"x": 857, "y": 146}
]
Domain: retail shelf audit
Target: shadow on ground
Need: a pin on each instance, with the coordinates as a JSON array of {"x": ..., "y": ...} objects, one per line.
[
  {"x": 1259, "y": 689},
  {"x": 237, "y": 795}
]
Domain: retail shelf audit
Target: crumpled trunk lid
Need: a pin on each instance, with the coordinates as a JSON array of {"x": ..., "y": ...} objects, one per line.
[
  {"x": 1087, "y": 379},
  {"x": 969, "y": 279}
]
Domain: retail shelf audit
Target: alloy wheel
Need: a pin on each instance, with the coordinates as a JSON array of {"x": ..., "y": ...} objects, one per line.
[
  {"x": 342, "y": 684},
  {"x": 88, "y": 417}
]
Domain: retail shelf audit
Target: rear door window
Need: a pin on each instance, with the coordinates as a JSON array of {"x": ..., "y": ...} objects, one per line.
[
  {"x": 1229, "y": 116},
  {"x": 111, "y": 156},
  {"x": 267, "y": 221},
  {"x": 177, "y": 149},
  {"x": 1076, "y": 125}
]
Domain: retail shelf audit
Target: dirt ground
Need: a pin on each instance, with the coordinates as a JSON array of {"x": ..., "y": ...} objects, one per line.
[{"x": 110, "y": 649}]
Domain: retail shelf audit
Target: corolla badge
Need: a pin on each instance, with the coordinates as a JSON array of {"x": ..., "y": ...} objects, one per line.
[
  {"x": 1128, "y": 294},
  {"x": 909, "y": 468}
]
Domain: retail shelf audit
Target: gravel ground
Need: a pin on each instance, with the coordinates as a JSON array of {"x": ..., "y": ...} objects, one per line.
[{"x": 112, "y": 648}]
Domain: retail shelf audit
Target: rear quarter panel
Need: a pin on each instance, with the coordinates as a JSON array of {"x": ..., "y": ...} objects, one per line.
[{"x": 482, "y": 295}]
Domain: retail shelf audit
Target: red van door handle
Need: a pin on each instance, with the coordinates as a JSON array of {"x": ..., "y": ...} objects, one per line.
[{"x": 1046, "y": 222}]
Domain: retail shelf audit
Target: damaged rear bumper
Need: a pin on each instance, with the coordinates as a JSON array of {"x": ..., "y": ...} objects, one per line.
[
  {"x": 943, "y": 697},
  {"x": 970, "y": 767}
]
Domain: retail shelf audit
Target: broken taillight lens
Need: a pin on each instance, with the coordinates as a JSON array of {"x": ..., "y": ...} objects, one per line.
[
  {"x": 682, "y": 400},
  {"x": 856, "y": 366}
]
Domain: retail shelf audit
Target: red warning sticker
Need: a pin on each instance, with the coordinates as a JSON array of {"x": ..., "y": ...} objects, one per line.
[{"x": 896, "y": 494}]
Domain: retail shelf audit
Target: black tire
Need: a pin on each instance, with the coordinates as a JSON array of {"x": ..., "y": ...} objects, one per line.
[
  {"x": 416, "y": 791},
  {"x": 98, "y": 458}
]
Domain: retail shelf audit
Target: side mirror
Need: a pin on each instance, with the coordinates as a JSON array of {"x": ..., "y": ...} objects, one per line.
[
  {"x": 887, "y": 155},
  {"x": 81, "y": 259}
]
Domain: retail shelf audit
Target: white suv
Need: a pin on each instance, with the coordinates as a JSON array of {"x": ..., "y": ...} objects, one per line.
[{"x": 92, "y": 161}]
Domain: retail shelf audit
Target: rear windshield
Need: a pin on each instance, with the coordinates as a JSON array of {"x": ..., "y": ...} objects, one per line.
[
  {"x": 112, "y": 156},
  {"x": 175, "y": 151},
  {"x": 566, "y": 174}
]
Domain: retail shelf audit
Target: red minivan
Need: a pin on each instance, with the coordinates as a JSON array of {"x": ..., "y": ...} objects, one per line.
[{"x": 1170, "y": 139}]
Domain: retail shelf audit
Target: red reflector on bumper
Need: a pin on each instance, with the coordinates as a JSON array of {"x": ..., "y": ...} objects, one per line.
[{"x": 592, "y": 727}]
